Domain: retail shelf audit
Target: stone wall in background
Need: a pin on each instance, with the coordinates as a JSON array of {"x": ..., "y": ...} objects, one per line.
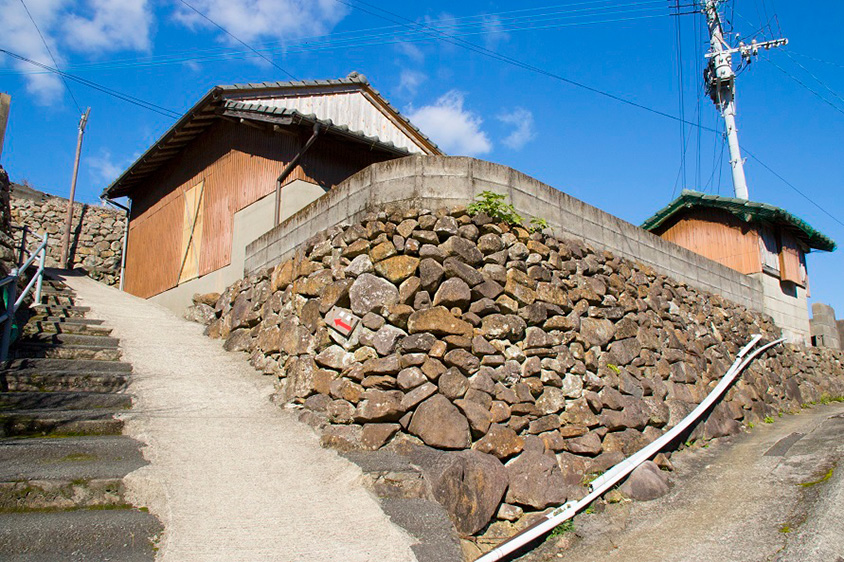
[
  {"x": 524, "y": 363},
  {"x": 7, "y": 243},
  {"x": 96, "y": 232}
]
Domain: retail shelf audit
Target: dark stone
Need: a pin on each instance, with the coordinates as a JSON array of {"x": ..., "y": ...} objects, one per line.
[
  {"x": 535, "y": 481},
  {"x": 646, "y": 482},
  {"x": 440, "y": 424},
  {"x": 469, "y": 485}
]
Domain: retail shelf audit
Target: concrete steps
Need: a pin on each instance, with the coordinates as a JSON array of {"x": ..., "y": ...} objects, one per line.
[
  {"x": 53, "y": 327},
  {"x": 62, "y": 375},
  {"x": 59, "y": 423},
  {"x": 64, "y": 400},
  {"x": 62, "y": 455},
  {"x": 125, "y": 535}
]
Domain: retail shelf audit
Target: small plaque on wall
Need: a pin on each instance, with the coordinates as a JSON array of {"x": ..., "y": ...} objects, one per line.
[{"x": 342, "y": 321}]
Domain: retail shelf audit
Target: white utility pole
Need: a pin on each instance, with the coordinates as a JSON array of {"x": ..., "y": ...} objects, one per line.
[
  {"x": 69, "y": 220},
  {"x": 721, "y": 83}
]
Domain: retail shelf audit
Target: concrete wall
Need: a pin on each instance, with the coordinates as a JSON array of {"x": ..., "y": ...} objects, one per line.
[
  {"x": 788, "y": 305},
  {"x": 437, "y": 181},
  {"x": 840, "y": 324},
  {"x": 824, "y": 326}
]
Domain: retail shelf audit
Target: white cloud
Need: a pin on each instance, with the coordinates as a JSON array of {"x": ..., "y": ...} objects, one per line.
[
  {"x": 494, "y": 33},
  {"x": 70, "y": 25},
  {"x": 20, "y": 35},
  {"x": 252, "y": 20},
  {"x": 411, "y": 51},
  {"x": 113, "y": 25},
  {"x": 410, "y": 80},
  {"x": 455, "y": 129},
  {"x": 523, "y": 130},
  {"x": 102, "y": 166}
]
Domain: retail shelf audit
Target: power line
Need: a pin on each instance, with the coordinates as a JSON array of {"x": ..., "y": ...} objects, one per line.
[
  {"x": 503, "y": 58},
  {"x": 680, "y": 88},
  {"x": 230, "y": 34},
  {"x": 792, "y": 186},
  {"x": 816, "y": 94},
  {"x": 120, "y": 95},
  {"x": 43, "y": 40},
  {"x": 362, "y": 39},
  {"x": 818, "y": 80},
  {"x": 520, "y": 64}
]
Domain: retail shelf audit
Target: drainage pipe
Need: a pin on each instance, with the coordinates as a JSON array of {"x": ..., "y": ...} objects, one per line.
[
  {"x": 125, "y": 238},
  {"x": 288, "y": 169},
  {"x": 610, "y": 478}
]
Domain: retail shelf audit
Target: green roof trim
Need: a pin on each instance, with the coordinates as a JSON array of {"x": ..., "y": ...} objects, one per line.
[{"x": 748, "y": 211}]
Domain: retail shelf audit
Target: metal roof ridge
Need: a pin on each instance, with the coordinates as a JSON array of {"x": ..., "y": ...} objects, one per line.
[{"x": 755, "y": 209}]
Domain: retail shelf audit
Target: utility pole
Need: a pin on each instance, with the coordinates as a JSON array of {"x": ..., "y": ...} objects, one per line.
[
  {"x": 721, "y": 84},
  {"x": 69, "y": 220},
  {"x": 5, "y": 102}
]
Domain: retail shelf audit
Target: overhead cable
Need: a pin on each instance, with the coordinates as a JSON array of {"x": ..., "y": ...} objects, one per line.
[
  {"x": 120, "y": 95},
  {"x": 50, "y": 52},
  {"x": 232, "y": 35}
]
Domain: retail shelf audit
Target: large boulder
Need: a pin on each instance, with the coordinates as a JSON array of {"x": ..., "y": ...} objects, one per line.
[
  {"x": 645, "y": 483},
  {"x": 535, "y": 481},
  {"x": 440, "y": 424},
  {"x": 469, "y": 485},
  {"x": 369, "y": 292}
]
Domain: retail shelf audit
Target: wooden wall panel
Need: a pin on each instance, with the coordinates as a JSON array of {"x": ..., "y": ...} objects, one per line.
[
  {"x": 790, "y": 269},
  {"x": 238, "y": 164},
  {"x": 719, "y": 236}
]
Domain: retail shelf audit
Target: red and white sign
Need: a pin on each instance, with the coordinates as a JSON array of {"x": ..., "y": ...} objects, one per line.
[{"x": 342, "y": 321}]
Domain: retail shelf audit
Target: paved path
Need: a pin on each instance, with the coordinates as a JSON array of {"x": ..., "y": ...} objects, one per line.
[
  {"x": 740, "y": 501},
  {"x": 232, "y": 477}
]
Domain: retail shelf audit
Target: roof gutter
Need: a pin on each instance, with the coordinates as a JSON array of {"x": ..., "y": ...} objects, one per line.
[
  {"x": 289, "y": 168},
  {"x": 125, "y": 236}
]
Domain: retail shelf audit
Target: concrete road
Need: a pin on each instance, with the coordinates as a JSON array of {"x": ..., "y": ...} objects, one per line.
[
  {"x": 231, "y": 476},
  {"x": 774, "y": 494}
]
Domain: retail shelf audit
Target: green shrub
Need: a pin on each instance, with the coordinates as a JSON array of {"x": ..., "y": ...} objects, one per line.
[{"x": 493, "y": 205}]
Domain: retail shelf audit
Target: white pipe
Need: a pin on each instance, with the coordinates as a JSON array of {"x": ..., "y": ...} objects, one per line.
[{"x": 625, "y": 467}]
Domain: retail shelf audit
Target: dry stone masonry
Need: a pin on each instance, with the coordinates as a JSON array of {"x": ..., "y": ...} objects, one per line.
[
  {"x": 7, "y": 242},
  {"x": 96, "y": 231},
  {"x": 517, "y": 363}
]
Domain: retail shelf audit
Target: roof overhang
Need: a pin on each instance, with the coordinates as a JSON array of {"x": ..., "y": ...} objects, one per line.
[
  {"x": 747, "y": 211},
  {"x": 232, "y": 102}
]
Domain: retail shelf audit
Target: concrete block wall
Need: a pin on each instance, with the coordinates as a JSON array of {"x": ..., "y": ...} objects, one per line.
[
  {"x": 825, "y": 327},
  {"x": 787, "y": 305},
  {"x": 440, "y": 181}
]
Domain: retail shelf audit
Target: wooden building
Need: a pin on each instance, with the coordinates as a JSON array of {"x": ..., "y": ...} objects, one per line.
[
  {"x": 241, "y": 160},
  {"x": 753, "y": 238}
]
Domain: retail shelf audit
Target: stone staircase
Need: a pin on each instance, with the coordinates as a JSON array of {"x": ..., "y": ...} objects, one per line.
[{"x": 62, "y": 455}]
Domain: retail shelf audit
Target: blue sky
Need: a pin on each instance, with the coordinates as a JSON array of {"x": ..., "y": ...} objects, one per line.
[{"x": 620, "y": 158}]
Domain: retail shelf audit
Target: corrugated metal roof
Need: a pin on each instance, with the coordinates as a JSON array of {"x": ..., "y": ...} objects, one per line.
[
  {"x": 258, "y": 110},
  {"x": 207, "y": 110},
  {"x": 748, "y": 211}
]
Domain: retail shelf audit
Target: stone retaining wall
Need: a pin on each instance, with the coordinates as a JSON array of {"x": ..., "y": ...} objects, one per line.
[
  {"x": 96, "y": 231},
  {"x": 529, "y": 362},
  {"x": 7, "y": 243}
]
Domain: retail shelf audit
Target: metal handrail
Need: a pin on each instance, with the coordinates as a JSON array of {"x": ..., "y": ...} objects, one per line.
[{"x": 14, "y": 301}]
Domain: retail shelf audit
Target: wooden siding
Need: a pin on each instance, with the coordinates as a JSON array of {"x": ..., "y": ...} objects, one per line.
[
  {"x": 238, "y": 164},
  {"x": 719, "y": 236},
  {"x": 790, "y": 269}
]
